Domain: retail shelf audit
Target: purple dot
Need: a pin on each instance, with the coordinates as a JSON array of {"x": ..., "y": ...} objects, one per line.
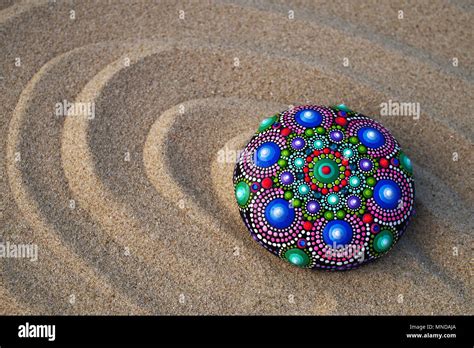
[
  {"x": 287, "y": 178},
  {"x": 312, "y": 207},
  {"x": 336, "y": 135},
  {"x": 297, "y": 143},
  {"x": 353, "y": 202},
  {"x": 365, "y": 164}
]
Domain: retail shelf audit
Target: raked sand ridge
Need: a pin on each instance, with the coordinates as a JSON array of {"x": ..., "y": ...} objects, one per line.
[{"x": 133, "y": 210}]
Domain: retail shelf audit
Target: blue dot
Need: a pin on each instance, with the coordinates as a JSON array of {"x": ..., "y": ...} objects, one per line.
[
  {"x": 337, "y": 232},
  {"x": 371, "y": 137},
  {"x": 267, "y": 154},
  {"x": 308, "y": 118},
  {"x": 387, "y": 194},
  {"x": 279, "y": 214}
]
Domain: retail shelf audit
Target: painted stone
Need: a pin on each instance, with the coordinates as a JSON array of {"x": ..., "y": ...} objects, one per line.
[{"x": 324, "y": 187}]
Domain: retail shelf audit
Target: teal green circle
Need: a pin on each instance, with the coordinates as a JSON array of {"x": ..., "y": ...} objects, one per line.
[
  {"x": 354, "y": 181},
  {"x": 303, "y": 189},
  {"x": 383, "y": 241},
  {"x": 318, "y": 144},
  {"x": 266, "y": 123},
  {"x": 326, "y": 178},
  {"x": 297, "y": 257},
  {"x": 347, "y": 153},
  {"x": 333, "y": 199},
  {"x": 242, "y": 193},
  {"x": 299, "y": 162},
  {"x": 405, "y": 162}
]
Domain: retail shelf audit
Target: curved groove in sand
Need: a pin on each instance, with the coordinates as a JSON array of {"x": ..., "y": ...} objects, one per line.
[
  {"x": 155, "y": 159},
  {"x": 99, "y": 202},
  {"x": 29, "y": 209},
  {"x": 352, "y": 30},
  {"x": 257, "y": 282}
]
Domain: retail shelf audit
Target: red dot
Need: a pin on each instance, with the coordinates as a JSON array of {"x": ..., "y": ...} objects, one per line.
[
  {"x": 347, "y": 173},
  {"x": 384, "y": 162},
  {"x": 267, "y": 183},
  {"x": 324, "y": 191},
  {"x": 326, "y": 150},
  {"x": 336, "y": 188},
  {"x": 367, "y": 218},
  {"x": 285, "y": 132},
  {"x": 337, "y": 154},
  {"x": 316, "y": 152},
  {"x": 343, "y": 182},
  {"x": 306, "y": 169},
  {"x": 344, "y": 162},
  {"x": 307, "y": 225},
  {"x": 314, "y": 187},
  {"x": 326, "y": 170},
  {"x": 306, "y": 179},
  {"x": 341, "y": 121}
]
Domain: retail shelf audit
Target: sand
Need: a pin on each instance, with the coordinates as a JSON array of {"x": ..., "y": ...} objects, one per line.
[{"x": 133, "y": 211}]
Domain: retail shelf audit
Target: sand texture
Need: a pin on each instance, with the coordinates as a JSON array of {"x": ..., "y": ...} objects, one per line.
[{"x": 133, "y": 211}]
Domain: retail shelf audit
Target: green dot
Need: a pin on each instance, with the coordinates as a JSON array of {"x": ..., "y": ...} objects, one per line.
[
  {"x": 285, "y": 153},
  {"x": 266, "y": 123},
  {"x": 309, "y": 132},
  {"x": 297, "y": 257},
  {"x": 296, "y": 203},
  {"x": 242, "y": 193},
  {"x": 367, "y": 193},
  {"x": 353, "y": 140},
  {"x": 371, "y": 181},
  {"x": 361, "y": 149},
  {"x": 288, "y": 195},
  {"x": 340, "y": 214},
  {"x": 383, "y": 241},
  {"x": 320, "y": 130},
  {"x": 328, "y": 215},
  {"x": 282, "y": 163}
]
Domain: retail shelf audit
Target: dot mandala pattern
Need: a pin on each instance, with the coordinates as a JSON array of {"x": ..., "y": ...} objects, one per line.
[{"x": 324, "y": 187}]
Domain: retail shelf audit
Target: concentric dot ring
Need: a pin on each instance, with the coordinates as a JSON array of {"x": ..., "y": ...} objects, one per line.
[{"x": 324, "y": 187}]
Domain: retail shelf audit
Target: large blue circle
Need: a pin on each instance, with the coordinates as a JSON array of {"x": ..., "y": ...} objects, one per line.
[
  {"x": 279, "y": 214},
  {"x": 267, "y": 154},
  {"x": 309, "y": 118},
  {"x": 371, "y": 137},
  {"x": 387, "y": 194},
  {"x": 337, "y": 232}
]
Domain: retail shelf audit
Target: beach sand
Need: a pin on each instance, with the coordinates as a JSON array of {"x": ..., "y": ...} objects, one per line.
[{"x": 133, "y": 210}]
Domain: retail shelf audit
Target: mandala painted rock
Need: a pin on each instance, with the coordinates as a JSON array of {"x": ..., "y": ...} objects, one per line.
[{"x": 324, "y": 187}]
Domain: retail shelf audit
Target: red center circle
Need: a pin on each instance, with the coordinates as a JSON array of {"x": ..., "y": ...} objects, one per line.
[{"x": 326, "y": 170}]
